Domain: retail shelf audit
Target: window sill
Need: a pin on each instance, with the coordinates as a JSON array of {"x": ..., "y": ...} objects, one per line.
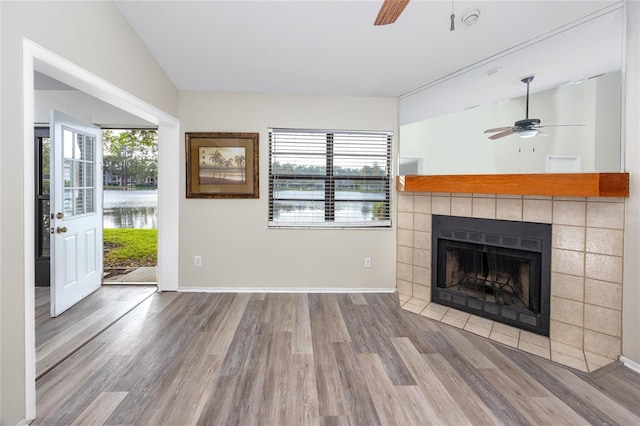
[{"x": 280, "y": 225}]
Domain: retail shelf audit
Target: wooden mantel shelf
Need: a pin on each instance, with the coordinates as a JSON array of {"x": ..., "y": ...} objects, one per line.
[{"x": 558, "y": 184}]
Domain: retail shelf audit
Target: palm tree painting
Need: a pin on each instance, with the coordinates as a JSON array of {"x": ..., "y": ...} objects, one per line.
[
  {"x": 222, "y": 165},
  {"x": 240, "y": 161}
]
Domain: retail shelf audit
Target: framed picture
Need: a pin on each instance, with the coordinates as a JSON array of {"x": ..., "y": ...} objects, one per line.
[{"x": 222, "y": 165}]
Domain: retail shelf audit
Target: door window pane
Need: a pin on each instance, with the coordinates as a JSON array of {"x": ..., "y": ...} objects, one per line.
[
  {"x": 79, "y": 173},
  {"x": 80, "y": 202},
  {"x": 67, "y": 141},
  {"x": 89, "y": 200},
  {"x": 45, "y": 223},
  {"x": 68, "y": 202},
  {"x": 68, "y": 173},
  {"x": 89, "y": 181},
  {"x": 89, "y": 143},
  {"x": 45, "y": 169}
]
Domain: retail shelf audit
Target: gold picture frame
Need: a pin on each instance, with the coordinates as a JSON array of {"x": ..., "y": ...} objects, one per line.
[{"x": 222, "y": 165}]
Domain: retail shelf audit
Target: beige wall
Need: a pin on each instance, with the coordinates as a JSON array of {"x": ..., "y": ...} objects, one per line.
[
  {"x": 631, "y": 287},
  {"x": 232, "y": 237},
  {"x": 96, "y": 37},
  {"x": 1, "y": 194}
]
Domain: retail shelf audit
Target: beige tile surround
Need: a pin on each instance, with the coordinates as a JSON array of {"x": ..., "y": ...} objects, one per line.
[{"x": 586, "y": 270}]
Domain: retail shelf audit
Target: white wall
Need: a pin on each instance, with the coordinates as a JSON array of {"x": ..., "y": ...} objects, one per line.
[
  {"x": 608, "y": 150},
  {"x": 83, "y": 107},
  {"x": 231, "y": 235},
  {"x": 456, "y": 143},
  {"x": 96, "y": 37}
]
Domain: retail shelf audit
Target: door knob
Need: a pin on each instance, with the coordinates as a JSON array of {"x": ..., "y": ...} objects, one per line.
[
  {"x": 61, "y": 229},
  {"x": 59, "y": 215}
]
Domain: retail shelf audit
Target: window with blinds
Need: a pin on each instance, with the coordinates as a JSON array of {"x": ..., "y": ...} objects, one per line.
[{"x": 322, "y": 178}]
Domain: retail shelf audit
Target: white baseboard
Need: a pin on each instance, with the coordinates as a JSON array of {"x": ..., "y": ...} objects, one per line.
[
  {"x": 630, "y": 364},
  {"x": 282, "y": 290}
]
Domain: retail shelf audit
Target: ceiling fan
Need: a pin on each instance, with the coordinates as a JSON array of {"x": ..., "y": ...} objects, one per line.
[
  {"x": 526, "y": 128},
  {"x": 390, "y": 11}
]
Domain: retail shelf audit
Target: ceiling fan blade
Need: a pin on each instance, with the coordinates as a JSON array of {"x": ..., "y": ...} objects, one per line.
[
  {"x": 390, "y": 11},
  {"x": 498, "y": 129},
  {"x": 560, "y": 125},
  {"x": 508, "y": 132}
]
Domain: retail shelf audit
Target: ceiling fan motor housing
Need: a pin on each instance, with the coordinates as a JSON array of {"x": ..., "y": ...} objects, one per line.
[{"x": 527, "y": 123}]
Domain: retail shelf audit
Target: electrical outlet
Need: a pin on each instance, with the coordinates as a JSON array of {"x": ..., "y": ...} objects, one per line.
[
  {"x": 367, "y": 262},
  {"x": 197, "y": 261}
]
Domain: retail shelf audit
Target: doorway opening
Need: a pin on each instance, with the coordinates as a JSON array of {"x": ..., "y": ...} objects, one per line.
[
  {"x": 66, "y": 325},
  {"x": 130, "y": 205}
]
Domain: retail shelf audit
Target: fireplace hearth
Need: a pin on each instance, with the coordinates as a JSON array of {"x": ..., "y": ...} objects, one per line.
[{"x": 493, "y": 268}]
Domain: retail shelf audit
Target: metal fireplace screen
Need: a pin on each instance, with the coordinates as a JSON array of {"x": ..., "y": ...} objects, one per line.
[{"x": 493, "y": 268}]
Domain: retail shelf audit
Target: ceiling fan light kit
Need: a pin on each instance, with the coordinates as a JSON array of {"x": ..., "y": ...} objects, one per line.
[{"x": 528, "y": 133}]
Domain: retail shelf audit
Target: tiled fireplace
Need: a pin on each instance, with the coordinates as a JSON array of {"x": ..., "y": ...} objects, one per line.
[{"x": 586, "y": 270}]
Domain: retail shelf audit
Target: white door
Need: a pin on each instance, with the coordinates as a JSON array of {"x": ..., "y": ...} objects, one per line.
[{"x": 76, "y": 211}]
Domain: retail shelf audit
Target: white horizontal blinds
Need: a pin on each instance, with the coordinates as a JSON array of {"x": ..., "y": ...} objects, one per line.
[
  {"x": 361, "y": 167},
  {"x": 329, "y": 178}
]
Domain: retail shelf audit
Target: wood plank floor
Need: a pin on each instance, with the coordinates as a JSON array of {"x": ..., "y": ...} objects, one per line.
[
  {"x": 58, "y": 337},
  {"x": 317, "y": 359}
]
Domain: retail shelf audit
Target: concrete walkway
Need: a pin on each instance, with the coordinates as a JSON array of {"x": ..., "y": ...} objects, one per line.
[{"x": 144, "y": 275}]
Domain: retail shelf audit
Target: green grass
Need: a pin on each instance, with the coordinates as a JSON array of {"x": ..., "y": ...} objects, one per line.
[{"x": 124, "y": 247}]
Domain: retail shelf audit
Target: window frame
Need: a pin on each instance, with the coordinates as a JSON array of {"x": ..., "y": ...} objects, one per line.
[{"x": 329, "y": 180}]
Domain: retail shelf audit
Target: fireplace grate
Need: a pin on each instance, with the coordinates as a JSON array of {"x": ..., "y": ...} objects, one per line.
[{"x": 493, "y": 268}]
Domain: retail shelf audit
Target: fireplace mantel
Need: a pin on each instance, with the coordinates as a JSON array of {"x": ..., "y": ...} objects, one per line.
[{"x": 550, "y": 184}]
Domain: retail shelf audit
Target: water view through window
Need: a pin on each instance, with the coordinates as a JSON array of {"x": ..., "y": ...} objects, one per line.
[
  {"x": 348, "y": 208},
  {"x": 130, "y": 209}
]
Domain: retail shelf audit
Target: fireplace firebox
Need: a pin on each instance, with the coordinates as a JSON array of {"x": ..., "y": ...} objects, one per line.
[{"x": 496, "y": 269}]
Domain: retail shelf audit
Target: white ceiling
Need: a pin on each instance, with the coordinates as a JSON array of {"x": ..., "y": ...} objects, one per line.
[
  {"x": 321, "y": 47},
  {"x": 325, "y": 47}
]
